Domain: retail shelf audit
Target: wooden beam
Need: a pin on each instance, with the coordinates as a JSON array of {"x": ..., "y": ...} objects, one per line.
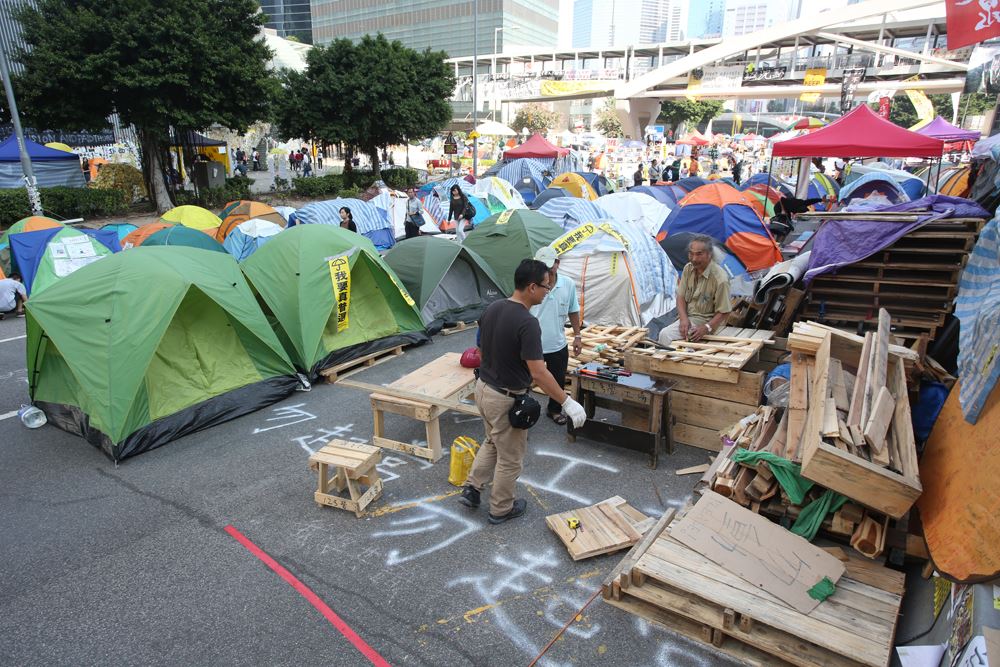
[{"x": 880, "y": 419}]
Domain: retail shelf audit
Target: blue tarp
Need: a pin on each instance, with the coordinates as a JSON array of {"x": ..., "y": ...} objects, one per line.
[
  {"x": 371, "y": 221},
  {"x": 52, "y": 167}
]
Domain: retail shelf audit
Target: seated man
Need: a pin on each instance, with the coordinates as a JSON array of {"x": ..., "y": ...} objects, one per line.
[
  {"x": 703, "y": 301},
  {"x": 12, "y": 296}
]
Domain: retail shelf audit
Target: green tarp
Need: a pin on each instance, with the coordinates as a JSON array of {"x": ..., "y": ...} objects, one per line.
[
  {"x": 506, "y": 239},
  {"x": 147, "y": 345},
  {"x": 291, "y": 273}
]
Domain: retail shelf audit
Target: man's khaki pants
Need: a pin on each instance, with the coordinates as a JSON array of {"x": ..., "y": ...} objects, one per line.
[
  {"x": 669, "y": 334},
  {"x": 501, "y": 456}
]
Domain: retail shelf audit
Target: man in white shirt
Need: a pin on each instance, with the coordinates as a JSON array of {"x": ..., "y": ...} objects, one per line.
[
  {"x": 12, "y": 296},
  {"x": 559, "y": 304}
]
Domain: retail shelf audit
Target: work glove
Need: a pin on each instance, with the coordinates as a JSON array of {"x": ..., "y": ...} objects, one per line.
[{"x": 575, "y": 412}]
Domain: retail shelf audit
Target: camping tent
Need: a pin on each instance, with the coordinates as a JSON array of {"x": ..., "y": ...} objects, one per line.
[
  {"x": 911, "y": 184},
  {"x": 240, "y": 211},
  {"x": 46, "y": 256},
  {"x": 30, "y": 224},
  {"x": 569, "y": 212},
  {"x": 575, "y": 184},
  {"x": 149, "y": 345},
  {"x": 822, "y": 186},
  {"x": 723, "y": 213},
  {"x": 194, "y": 217},
  {"x": 247, "y": 237},
  {"x": 138, "y": 236},
  {"x": 660, "y": 193},
  {"x": 622, "y": 276},
  {"x": 372, "y": 222},
  {"x": 51, "y": 167},
  {"x": 436, "y": 205},
  {"x": 939, "y": 128},
  {"x": 294, "y": 275},
  {"x": 600, "y": 183},
  {"x": 498, "y": 194},
  {"x": 635, "y": 208},
  {"x": 449, "y": 282},
  {"x": 536, "y": 146},
  {"x": 769, "y": 180},
  {"x": 122, "y": 229},
  {"x": 504, "y": 239},
  {"x": 178, "y": 235},
  {"x": 860, "y": 133},
  {"x": 550, "y": 193},
  {"x": 874, "y": 183}
]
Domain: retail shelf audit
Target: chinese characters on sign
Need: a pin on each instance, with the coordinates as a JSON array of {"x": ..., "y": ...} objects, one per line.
[
  {"x": 971, "y": 21},
  {"x": 340, "y": 275}
]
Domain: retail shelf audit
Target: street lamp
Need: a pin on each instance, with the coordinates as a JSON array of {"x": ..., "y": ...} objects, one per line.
[{"x": 475, "y": 86}]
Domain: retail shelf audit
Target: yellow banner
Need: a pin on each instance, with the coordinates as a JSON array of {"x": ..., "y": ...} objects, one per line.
[
  {"x": 922, "y": 103},
  {"x": 570, "y": 239},
  {"x": 814, "y": 77},
  {"x": 611, "y": 231},
  {"x": 558, "y": 88},
  {"x": 505, "y": 216},
  {"x": 340, "y": 276},
  {"x": 402, "y": 290}
]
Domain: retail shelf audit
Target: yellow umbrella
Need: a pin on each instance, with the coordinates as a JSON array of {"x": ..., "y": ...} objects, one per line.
[{"x": 59, "y": 146}]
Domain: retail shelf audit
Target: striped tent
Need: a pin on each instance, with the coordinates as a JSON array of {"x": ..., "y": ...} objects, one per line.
[
  {"x": 977, "y": 306},
  {"x": 569, "y": 212},
  {"x": 372, "y": 221}
]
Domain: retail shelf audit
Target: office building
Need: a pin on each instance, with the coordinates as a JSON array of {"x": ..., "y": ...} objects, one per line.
[
  {"x": 291, "y": 19},
  {"x": 743, "y": 17},
  {"x": 604, "y": 23},
  {"x": 705, "y": 19},
  {"x": 440, "y": 24},
  {"x": 10, "y": 30}
]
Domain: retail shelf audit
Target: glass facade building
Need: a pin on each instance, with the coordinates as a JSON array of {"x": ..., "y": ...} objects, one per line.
[
  {"x": 290, "y": 18},
  {"x": 439, "y": 24}
]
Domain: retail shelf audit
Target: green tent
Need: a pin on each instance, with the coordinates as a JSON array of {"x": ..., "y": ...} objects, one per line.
[
  {"x": 30, "y": 224},
  {"x": 184, "y": 236},
  {"x": 149, "y": 345},
  {"x": 449, "y": 282},
  {"x": 294, "y": 275},
  {"x": 505, "y": 239},
  {"x": 45, "y": 257}
]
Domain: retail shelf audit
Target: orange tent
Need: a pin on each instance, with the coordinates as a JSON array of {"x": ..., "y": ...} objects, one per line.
[
  {"x": 136, "y": 238},
  {"x": 237, "y": 212}
]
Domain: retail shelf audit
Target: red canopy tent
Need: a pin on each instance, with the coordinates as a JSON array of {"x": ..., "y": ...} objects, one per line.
[
  {"x": 536, "y": 146},
  {"x": 694, "y": 138},
  {"x": 858, "y": 134}
]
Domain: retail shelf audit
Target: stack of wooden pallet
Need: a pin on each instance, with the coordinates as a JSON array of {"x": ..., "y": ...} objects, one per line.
[
  {"x": 915, "y": 278},
  {"x": 727, "y": 582},
  {"x": 715, "y": 385},
  {"x": 605, "y": 344}
]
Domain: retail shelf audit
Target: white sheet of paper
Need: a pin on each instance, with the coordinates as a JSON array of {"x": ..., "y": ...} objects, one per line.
[
  {"x": 974, "y": 654},
  {"x": 79, "y": 251},
  {"x": 921, "y": 656},
  {"x": 77, "y": 240},
  {"x": 58, "y": 251}
]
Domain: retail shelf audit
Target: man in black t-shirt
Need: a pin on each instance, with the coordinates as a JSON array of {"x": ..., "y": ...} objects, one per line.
[{"x": 511, "y": 352}]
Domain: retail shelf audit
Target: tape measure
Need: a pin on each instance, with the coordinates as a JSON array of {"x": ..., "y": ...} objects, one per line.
[{"x": 573, "y": 523}]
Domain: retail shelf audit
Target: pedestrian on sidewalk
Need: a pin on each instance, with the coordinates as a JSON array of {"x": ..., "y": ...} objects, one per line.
[
  {"x": 461, "y": 210},
  {"x": 414, "y": 214}
]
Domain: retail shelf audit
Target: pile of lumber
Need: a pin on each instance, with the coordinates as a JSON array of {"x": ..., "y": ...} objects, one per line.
[
  {"x": 915, "y": 278},
  {"x": 707, "y": 399},
  {"x": 604, "y": 344}
]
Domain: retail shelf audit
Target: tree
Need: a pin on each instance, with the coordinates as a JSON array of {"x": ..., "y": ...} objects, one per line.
[
  {"x": 608, "y": 122},
  {"x": 367, "y": 95},
  {"x": 161, "y": 64},
  {"x": 677, "y": 111},
  {"x": 903, "y": 113},
  {"x": 537, "y": 118}
]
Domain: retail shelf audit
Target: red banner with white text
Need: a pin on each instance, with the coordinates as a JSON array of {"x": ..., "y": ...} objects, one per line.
[{"x": 971, "y": 22}]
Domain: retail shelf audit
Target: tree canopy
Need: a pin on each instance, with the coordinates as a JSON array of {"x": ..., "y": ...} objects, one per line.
[
  {"x": 608, "y": 123},
  {"x": 185, "y": 64},
  {"x": 677, "y": 111},
  {"x": 366, "y": 95},
  {"x": 537, "y": 118}
]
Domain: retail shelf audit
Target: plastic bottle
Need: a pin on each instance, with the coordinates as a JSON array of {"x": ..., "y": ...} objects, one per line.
[{"x": 31, "y": 416}]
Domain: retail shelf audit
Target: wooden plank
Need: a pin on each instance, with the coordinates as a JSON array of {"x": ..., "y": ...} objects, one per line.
[
  {"x": 839, "y": 385},
  {"x": 602, "y": 529},
  {"x": 442, "y": 378},
  {"x": 830, "y": 425},
  {"x": 697, "y": 436},
  {"x": 624, "y": 566},
  {"x": 707, "y": 412},
  {"x": 881, "y": 359},
  {"x": 902, "y": 428},
  {"x": 747, "y": 389},
  {"x": 880, "y": 419},
  {"x": 692, "y": 470},
  {"x": 449, "y": 404},
  {"x": 761, "y": 552}
]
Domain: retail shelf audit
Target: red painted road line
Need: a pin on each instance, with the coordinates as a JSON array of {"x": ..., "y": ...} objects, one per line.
[{"x": 314, "y": 599}]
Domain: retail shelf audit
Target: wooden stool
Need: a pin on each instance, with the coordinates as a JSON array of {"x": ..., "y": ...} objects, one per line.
[{"x": 353, "y": 464}]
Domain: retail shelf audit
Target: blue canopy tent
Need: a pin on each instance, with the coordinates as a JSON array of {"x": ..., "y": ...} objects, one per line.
[{"x": 52, "y": 167}]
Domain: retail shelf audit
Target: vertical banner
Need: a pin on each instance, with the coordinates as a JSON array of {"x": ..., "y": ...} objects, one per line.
[
  {"x": 922, "y": 104},
  {"x": 884, "y": 107},
  {"x": 852, "y": 77},
  {"x": 694, "y": 82},
  {"x": 815, "y": 76},
  {"x": 971, "y": 21},
  {"x": 984, "y": 70},
  {"x": 340, "y": 276}
]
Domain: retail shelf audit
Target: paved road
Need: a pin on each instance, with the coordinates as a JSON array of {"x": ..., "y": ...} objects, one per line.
[{"x": 132, "y": 564}]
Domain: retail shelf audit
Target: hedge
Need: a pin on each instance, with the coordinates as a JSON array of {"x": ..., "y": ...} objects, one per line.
[
  {"x": 63, "y": 202},
  {"x": 318, "y": 186}
]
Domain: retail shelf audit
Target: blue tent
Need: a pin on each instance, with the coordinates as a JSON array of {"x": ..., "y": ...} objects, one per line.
[
  {"x": 372, "y": 222},
  {"x": 548, "y": 194},
  {"x": 596, "y": 181},
  {"x": 660, "y": 193},
  {"x": 28, "y": 251},
  {"x": 123, "y": 229},
  {"x": 52, "y": 167},
  {"x": 873, "y": 182},
  {"x": 249, "y": 236}
]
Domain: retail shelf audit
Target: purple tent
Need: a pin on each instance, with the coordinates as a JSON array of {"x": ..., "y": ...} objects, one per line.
[{"x": 939, "y": 128}]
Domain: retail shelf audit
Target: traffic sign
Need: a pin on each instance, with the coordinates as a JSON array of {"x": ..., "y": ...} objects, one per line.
[{"x": 473, "y": 135}]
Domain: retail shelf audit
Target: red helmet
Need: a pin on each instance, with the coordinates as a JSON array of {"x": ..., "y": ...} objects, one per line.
[{"x": 470, "y": 358}]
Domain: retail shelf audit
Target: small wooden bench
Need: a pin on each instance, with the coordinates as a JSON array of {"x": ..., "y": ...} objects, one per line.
[{"x": 354, "y": 465}]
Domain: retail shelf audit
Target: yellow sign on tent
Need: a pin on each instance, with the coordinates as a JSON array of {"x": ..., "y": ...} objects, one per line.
[{"x": 340, "y": 276}]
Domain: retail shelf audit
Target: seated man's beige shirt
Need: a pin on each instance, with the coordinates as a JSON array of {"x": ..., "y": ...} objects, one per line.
[{"x": 705, "y": 296}]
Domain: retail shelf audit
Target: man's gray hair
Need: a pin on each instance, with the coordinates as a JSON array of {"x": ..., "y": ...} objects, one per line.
[{"x": 708, "y": 241}]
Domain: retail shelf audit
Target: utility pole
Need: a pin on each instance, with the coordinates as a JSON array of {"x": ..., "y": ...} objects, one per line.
[
  {"x": 475, "y": 86},
  {"x": 29, "y": 176}
]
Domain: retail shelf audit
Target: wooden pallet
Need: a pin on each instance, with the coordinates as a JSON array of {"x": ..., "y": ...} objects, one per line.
[
  {"x": 606, "y": 527},
  {"x": 674, "y": 586},
  {"x": 346, "y": 368},
  {"x": 459, "y": 327},
  {"x": 604, "y": 344}
]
